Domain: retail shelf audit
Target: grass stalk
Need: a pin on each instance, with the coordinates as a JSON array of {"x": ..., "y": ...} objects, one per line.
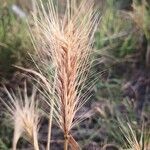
[
  {"x": 49, "y": 129},
  {"x": 35, "y": 141},
  {"x": 51, "y": 114},
  {"x": 50, "y": 126},
  {"x": 66, "y": 143},
  {"x": 14, "y": 142}
]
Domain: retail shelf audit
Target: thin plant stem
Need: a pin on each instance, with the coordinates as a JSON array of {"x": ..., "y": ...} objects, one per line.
[
  {"x": 66, "y": 143},
  {"x": 50, "y": 126},
  {"x": 14, "y": 145},
  {"x": 35, "y": 142},
  {"x": 51, "y": 116},
  {"x": 15, "y": 140}
]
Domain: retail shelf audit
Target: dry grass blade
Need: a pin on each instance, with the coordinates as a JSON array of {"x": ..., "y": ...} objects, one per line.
[{"x": 24, "y": 115}]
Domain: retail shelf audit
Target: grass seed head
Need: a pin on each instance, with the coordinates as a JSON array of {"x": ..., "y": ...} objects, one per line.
[{"x": 23, "y": 113}]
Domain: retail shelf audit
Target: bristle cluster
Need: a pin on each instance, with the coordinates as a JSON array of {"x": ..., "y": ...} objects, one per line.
[
  {"x": 63, "y": 43},
  {"x": 24, "y": 115}
]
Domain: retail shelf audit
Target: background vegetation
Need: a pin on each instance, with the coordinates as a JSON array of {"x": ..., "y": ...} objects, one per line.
[{"x": 122, "y": 52}]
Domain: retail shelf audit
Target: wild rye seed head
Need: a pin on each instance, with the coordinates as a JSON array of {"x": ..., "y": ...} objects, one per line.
[{"x": 63, "y": 43}]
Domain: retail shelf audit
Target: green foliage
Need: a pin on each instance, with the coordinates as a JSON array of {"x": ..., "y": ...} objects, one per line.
[
  {"x": 5, "y": 135},
  {"x": 141, "y": 16},
  {"x": 14, "y": 41},
  {"x": 116, "y": 31}
]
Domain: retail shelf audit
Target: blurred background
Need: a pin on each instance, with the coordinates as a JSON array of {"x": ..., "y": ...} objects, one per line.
[{"x": 122, "y": 59}]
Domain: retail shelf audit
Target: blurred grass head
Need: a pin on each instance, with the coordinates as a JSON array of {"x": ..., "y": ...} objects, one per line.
[
  {"x": 135, "y": 138},
  {"x": 23, "y": 113},
  {"x": 14, "y": 40}
]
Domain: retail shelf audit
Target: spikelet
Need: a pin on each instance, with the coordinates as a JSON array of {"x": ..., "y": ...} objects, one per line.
[{"x": 24, "y": 116}]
